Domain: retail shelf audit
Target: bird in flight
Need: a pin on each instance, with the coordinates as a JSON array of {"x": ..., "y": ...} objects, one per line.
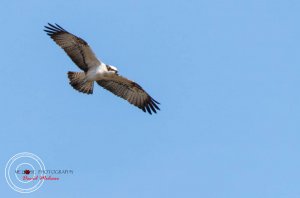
[{"x": 95, "y": 70}]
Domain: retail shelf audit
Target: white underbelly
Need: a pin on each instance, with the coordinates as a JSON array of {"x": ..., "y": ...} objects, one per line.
[{"x": 96, "y": 73}]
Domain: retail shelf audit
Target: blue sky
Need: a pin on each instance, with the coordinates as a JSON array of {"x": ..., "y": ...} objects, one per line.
[{"x": 226, "y": 74}]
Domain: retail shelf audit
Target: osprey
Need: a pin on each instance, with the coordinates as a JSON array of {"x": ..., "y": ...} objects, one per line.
[{"x": 95, "y": 70}]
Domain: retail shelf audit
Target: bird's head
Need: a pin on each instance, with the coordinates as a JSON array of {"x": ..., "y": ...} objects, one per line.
[{"x": 112, "y": 68}]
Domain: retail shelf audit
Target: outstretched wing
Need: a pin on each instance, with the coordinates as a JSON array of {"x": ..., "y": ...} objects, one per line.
[
  {"x": 77, "y": 49},
  {"x": 130, "y": 91}
]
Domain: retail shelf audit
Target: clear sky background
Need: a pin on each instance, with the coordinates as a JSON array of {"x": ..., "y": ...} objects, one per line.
[{"x": 226, "y": 74}]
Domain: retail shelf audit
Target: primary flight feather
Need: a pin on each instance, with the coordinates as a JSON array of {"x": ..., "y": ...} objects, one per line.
[{"x": 95, "y": 70}]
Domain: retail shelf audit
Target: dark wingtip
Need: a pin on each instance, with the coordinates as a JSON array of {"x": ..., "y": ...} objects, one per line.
[
  {"x": 52, "y": 29},
  {"x": 148, "y": 109},
  {"x": 155, "y": 101},
  {"x": 60, "y": 26},
  {"x": 151, "y": 106}
]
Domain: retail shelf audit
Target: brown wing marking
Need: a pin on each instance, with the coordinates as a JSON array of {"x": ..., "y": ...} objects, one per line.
[
  {"x": 76, "y": 48},
  {"x": 130, "y": 91}
]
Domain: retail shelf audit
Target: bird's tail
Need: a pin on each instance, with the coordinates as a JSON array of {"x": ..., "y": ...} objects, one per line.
[{"x": 79, "y": 82}]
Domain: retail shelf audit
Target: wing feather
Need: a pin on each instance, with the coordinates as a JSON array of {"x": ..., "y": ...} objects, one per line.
[
  {"x": 131, "y": 99},
  {"x": 130, "y": 91},
  {"x": 76, "y": 48}
]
